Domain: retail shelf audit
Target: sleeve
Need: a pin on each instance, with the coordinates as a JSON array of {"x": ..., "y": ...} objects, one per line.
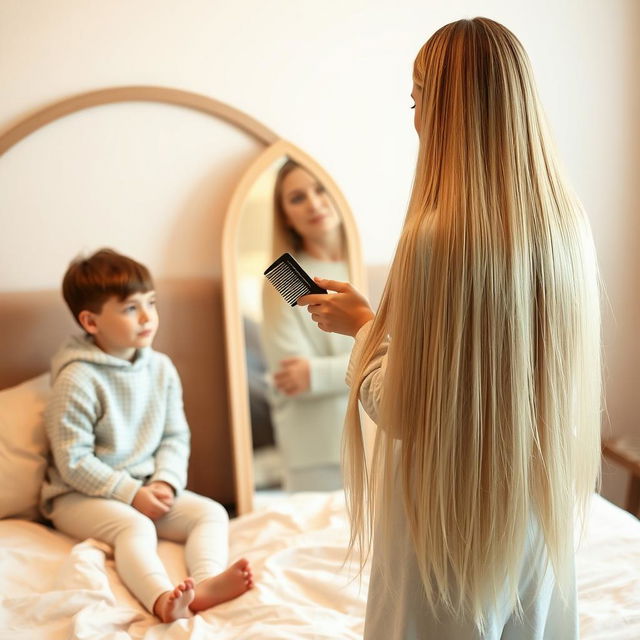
[
  {"x": 283, "y": 337},
  {"x": 172, "y": 455},
  {"x": 327, "y": 374},
  {"x": 373, "y": 381},
  {"x": 69, "y": 421}
]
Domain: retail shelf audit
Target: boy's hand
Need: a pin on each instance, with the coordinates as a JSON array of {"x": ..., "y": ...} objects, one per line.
[
  {"x": 163, "y": 491},
  {"x": 146, "y": 502},
  {"x": 342, "y": 312},
  {"x": 293, "y": 377}
]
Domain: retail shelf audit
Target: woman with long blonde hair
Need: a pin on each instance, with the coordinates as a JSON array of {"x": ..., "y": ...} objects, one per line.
[{"x": 481, "y": 367}]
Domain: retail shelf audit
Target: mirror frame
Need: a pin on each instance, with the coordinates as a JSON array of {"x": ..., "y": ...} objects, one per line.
[
  {"x": 237, "y": 381},
  {"x": 135, "y": 93}
]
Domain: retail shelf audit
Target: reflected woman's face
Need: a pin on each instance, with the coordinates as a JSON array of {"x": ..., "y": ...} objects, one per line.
[{"x": 307, "y": 205}]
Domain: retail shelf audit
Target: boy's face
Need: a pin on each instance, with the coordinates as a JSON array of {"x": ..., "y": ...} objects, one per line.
[{"x": 123, "y": 325}]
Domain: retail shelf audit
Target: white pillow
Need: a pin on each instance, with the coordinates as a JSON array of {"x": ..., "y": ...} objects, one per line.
[{"x": 23, "y": 447}]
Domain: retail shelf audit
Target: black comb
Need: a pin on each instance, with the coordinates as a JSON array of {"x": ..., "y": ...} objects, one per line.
[{"x": 290, "y": 279}]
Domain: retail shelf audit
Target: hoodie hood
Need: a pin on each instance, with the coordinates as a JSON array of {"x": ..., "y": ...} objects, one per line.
[{"x": 81, "y": 348}]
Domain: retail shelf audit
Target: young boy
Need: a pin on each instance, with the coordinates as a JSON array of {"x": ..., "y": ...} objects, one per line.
[{"x": 120, "y": 445}]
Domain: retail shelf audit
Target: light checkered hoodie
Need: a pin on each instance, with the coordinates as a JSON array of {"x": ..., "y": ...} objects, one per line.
[{"x": 113, "y": 425}]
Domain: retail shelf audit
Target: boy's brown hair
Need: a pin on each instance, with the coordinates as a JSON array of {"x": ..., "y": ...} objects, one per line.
[{"x": 89, "y": 282}]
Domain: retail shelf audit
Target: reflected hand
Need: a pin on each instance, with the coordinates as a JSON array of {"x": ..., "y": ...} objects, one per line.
[
  {"x": 342, "y": 312},
  {"x": 293, "y": 377},
  {"x": 147, "y": 503}
]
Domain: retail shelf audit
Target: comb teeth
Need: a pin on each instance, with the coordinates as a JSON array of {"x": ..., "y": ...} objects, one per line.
[
  {"x": 288, "y": 283},
  {"x": 290, "y": 279}
]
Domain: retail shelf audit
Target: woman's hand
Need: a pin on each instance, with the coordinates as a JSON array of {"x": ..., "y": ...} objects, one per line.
[
  {"x": 342, "y": 312},
  {"x": 146, "y": 502},
  {"x": 293, "y": 377}
]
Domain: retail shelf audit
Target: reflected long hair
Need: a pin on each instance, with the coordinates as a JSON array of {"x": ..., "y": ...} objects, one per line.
[
  {"x": 490, "y": 410},
  {"x": 285, "y": 237}
]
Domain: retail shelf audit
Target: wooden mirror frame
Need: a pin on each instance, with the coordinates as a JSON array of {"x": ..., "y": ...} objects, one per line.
[
  {"x": 112, "y": 95},
  {"x": 235, "y": 340}
]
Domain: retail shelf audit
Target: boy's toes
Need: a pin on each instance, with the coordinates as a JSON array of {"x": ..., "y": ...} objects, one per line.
[
  {"x": 185, "y": 585},
  {"x": 242, "y": 564}
]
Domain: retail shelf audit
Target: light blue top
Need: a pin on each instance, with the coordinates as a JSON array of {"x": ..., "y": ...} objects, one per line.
[{"x": 113, "y": 424}]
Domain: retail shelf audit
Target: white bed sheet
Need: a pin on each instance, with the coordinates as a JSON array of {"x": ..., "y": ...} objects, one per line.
[{"x": 52, "y": 587}]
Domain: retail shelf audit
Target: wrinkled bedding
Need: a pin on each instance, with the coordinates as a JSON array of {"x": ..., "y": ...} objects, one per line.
[{"x": 54, "y": 587}]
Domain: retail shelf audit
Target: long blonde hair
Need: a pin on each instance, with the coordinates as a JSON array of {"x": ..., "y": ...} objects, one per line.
[{"x": 490, "y": 413}]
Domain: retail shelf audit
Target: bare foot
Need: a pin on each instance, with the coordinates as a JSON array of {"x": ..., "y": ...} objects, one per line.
[
  {"x": 229, "y": 584},
  {"x": 172, "y": 605}
]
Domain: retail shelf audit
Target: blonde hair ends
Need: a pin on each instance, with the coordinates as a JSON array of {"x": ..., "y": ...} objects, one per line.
[{"x": 490, "y": 414}]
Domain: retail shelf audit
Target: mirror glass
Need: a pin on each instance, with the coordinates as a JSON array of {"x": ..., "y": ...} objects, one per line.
[{"x": 296, "y": 389}]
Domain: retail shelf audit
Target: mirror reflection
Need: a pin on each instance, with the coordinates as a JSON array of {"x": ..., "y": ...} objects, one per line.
[{"x": 296, "y": 372}]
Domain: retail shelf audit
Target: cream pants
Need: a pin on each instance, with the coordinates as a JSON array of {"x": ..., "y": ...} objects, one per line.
[{"x": 195, "y": 520}]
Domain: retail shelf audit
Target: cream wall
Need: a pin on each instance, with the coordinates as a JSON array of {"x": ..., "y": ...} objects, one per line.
[{"x": 334, "y": 78}]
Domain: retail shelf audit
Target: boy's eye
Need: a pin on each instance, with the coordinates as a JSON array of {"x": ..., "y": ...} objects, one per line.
[{"x": 131, "y": 308}]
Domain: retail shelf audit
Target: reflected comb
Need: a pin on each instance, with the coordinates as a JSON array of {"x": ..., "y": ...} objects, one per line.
[{"x": 290, "y": 279}]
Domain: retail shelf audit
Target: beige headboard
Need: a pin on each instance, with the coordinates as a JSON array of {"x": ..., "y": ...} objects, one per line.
[{"x": 34, "y": 323}]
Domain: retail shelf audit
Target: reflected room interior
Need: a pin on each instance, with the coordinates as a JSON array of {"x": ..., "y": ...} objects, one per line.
[{"x": 257, "y": 247}]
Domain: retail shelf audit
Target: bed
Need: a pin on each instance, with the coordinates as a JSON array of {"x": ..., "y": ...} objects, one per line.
[{"x": 55, "y": 587}]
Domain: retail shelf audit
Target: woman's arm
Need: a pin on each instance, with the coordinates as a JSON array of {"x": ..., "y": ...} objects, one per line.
[
  {"x": 348, "y": 312},
  {"x": 373, "y": 380}
]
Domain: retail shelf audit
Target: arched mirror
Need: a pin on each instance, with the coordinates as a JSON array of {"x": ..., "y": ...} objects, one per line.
[{"x": 286, "y": 377}]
